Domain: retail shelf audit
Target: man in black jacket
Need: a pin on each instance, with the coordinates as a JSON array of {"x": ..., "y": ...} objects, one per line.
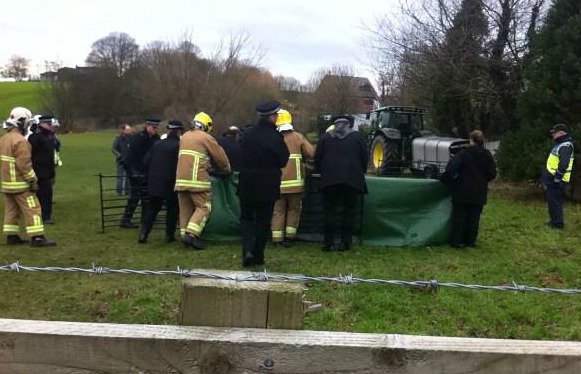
[
  {"x": 42, "y": 149},
  {"x": 264, "y": 153},
  {"x": 230, "y": 141},
  {"x": 468, "y": 173},
  {"x": 162, "y": 163},
  {"x": 119, "y": 149},
  {"x": 139, "y": 144},
  {"x": 341, "y": 157}
]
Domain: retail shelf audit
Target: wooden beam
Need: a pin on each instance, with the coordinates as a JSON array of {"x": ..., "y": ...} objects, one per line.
[{"x": 31, "y": 347}]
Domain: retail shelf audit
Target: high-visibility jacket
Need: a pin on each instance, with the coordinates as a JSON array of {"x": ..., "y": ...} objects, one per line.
[
  {"x": 293, "y": 174},
  {"x": 15, "y": 156},
  {"x": 554, "y": 159},
  {"x": 196, "y": 149}
]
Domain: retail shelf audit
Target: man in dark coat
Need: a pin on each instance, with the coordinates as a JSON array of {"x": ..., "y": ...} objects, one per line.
[
  {"x": 264, "y": 153},
  {"x": 468, "y": 174},
  {"x": 341, "y": 157},
  {"x": 230, "y": 142},
  {"x": 139, "y": 144},
  {"x": 43, "y": 148},
  {"x": 162, "y": 162},
  {"x": 119, "y": 149}
]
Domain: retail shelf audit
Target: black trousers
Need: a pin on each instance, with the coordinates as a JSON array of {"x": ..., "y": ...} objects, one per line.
[
  {"x": 137, "y": 193},
  {"x": 155, "y": 205},
  {"x": 44, "y": 195},
  {"x": 255, "y": 218},
  {"x": 334, "y": 197},
  {"x": 555, "y": 195},
  {"x": 465, "y": 223}
]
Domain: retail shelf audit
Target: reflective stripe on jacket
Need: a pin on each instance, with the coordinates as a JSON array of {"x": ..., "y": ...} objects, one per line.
[
  {"x": 293, "y": 174},
  {"x": 196, "y": 149},
  {"x": 15, "y": 157},
  {"x": 553, "y": 161}
]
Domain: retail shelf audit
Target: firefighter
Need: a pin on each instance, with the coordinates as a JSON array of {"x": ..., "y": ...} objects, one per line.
[
  {"x": 139, "y": 144},
  {"x": 557, "y": 173},
  {"x": 193, "y": 184},
  {"x": 264, "y": 154},
  {"x": 287, "y": 209},
  {"x": 19, "y": 183},
  {"x": 161, "y": 162}
]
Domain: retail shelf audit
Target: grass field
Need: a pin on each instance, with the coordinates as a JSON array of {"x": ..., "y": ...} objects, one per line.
[
  {"x": 13, "y": 94},
  {"x": 514, "y": 246}
]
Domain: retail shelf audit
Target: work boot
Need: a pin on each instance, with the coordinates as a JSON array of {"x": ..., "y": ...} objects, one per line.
[
  {"x": 289, "y": 242},
  {"x": 127, "y": 225},
  {"x": 14, "y": 240},
  {"x": 248, "y": 259},
  {"x": 41, "y": 241},
  {"x": 169, "y": 239},
  {"x": 193, "y": 241},
  {"x": 142, "y": 238},
  {"x": 278, "y": 244}
]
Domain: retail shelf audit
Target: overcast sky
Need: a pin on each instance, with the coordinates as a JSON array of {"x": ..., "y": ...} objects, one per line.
[{"x": 298, "y": 36}]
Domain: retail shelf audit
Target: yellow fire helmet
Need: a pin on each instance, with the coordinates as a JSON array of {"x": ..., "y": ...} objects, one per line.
[
  {"x": 284, "y": 118},
  {"x": 203, "y": 121}
]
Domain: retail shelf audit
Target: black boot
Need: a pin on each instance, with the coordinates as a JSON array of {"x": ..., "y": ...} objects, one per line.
[
  {"x": 142, "y": 238},
  {"x": 14, "y": 240},
  {"x": 41, "y": 241},
  {"x": 169, "y": 238},
  {"x": 193, "y": 241},
  {"x": 248, "y": 259},
  {"x": 127, "y": 225}
]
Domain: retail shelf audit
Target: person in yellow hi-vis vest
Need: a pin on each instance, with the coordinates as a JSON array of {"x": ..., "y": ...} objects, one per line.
[
  {"x": 287, "y": 209},
  {"x": 19, "y": 183},
  {"x": 193, "y": 178},
  {"x": 557, "y": 173}
]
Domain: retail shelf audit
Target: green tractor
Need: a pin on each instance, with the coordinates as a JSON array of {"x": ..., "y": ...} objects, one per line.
[
  {"x": 392, "y": 130},
  {"x": 400, "y": 143}
]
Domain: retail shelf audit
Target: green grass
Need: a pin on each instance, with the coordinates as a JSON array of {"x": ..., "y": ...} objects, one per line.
[
  {"x": 514, "y": 246},
  {"x": 14, "y": 94}
]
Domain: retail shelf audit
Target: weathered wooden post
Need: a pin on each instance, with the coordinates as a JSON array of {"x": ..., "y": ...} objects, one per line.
[{"x": 231, "y": 303}]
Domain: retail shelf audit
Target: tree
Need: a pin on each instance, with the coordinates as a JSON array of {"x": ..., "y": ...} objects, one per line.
[
  {"x": 551, "y": 94},
  {"x": 289, "y": 83},
  {"x": 116, "y": 51},
  {"x": 17, "y": 67}
]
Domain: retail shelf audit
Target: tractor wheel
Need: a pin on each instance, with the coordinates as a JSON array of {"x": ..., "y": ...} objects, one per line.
[
  {"x": 385, "y": 156},
  {"x": 431, "y": 172}
]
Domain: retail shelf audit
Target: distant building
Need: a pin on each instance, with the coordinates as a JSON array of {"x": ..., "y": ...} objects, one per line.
[
  {"x": 48, "y": 76},
  {"x": 359, "y": 90}
]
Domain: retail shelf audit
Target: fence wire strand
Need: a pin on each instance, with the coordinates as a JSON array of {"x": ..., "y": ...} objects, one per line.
[{"x": 263, "y": 276}]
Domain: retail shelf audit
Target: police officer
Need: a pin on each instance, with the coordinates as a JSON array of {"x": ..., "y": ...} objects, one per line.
[
  {"x": 193, "y": 183},
  {"x": 287, "y": 209},
  {"x": 139, "y": 144},
  {"x": 557, "y": 173},
  {"x": 43, "y": 157},
  {"x": 264, "y": 153},
  {"x": 161, "y": 162},
  {"x": 19, "y": 182},
  {"x": 341, "y": 157}
]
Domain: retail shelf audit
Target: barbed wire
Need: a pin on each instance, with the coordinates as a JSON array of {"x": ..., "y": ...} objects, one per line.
[{"x": 263, "y": 276}]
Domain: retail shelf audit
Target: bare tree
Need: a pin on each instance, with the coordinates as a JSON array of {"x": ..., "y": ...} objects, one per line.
[
  {"x": 289, "y": 83},
  {"x": 17, "y": 67},
  {"x": 117, "y": 51}
]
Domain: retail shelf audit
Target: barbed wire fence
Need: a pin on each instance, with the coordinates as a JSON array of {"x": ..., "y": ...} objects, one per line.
[{"x": 264, "y": 276}]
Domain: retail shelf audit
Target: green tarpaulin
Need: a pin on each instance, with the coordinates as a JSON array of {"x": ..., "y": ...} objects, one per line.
[{"x": 395, "y": 212}]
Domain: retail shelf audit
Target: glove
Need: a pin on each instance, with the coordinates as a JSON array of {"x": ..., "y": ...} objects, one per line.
[{"x": 34, "y": 186}]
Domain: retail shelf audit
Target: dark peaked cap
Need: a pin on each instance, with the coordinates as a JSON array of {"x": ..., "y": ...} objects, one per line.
[
  {"x": 152, "y": 121},
  {"x": 267, "y": 107},
  {"x": 45, "y": 119},
  {"x": 339, "y": 119},
  {"x": 175, "y": 124},
  {"x": 559, "y": 127}
]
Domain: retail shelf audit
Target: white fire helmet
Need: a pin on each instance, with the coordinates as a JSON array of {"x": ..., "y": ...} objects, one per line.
[{"x": 19, "y": 116}]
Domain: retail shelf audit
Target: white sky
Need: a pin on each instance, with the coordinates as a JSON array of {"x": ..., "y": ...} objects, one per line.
[{"x": 298, "y": 36}]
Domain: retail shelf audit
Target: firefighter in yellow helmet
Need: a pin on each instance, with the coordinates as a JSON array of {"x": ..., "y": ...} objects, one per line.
[
  {"x": 287, "y": 209},
  {"x": 193, "y": 184},
  {"x": 19, "y": 183}
]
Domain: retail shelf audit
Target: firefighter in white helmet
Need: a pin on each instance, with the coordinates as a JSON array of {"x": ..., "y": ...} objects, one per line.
[
  {"x": 193, "y": 184},
  {"x": 19, "y": 183},
  {"x": 287, "y": 209}
]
